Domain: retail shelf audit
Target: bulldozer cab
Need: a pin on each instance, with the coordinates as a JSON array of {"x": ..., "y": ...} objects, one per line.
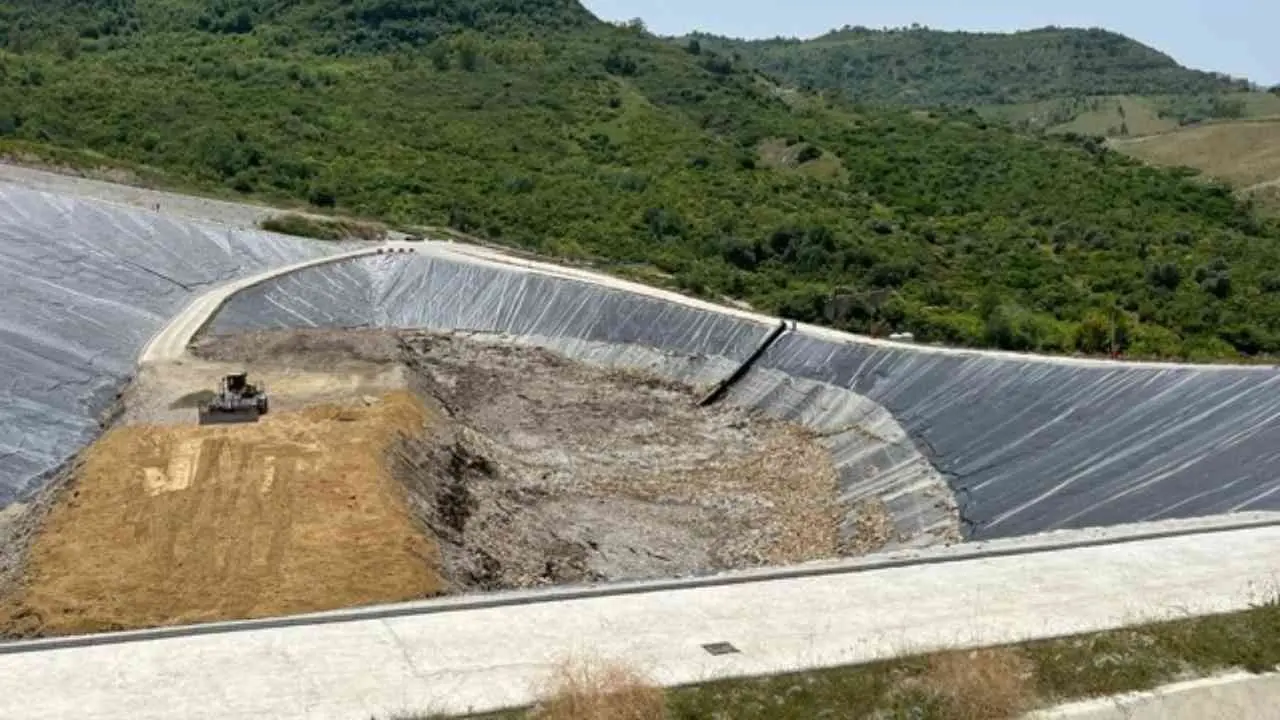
[{"x": 236, "y": 383}]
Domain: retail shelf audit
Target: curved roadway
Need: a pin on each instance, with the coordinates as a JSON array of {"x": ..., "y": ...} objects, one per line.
[{"x": 170, "y": 344}]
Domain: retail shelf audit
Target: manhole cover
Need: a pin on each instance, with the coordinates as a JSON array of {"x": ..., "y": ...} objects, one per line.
[{"x": 721, "y": 648}]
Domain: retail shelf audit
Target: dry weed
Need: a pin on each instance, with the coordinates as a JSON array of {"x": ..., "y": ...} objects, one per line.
[
  {"x": 990, "y": 684},
  {"x": 591, "y": 691}
]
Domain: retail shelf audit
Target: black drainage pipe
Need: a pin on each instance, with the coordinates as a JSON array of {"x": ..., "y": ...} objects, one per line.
[{"x": 723, "y": 386}]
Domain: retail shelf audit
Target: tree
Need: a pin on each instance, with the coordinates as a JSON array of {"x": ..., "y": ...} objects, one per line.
[
  {"x": 468, "y": 54},
  {"x": 322, "y": 197},
  {"x": 617, "y": 63},
  {"x": 1164, "y": 275},
  {"x": 739, "y": 253},
  {"x": 663, "y": 223},
  {"x": 439, "y": 54},
  {"x": 1217, "y": 284},
  {"x": 69, "y": 46},
  {"x": 808, "y": 153},
  {"x": 1102, "y": 331},
  {"x": 1011, "y": 327},
  {"x": 718, "y": 64}
]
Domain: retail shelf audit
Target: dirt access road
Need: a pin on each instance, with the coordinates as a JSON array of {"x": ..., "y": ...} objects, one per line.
[{"x": 108, "y": 188}]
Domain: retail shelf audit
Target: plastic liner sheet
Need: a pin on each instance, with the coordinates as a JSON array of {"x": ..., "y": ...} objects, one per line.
[
  {"x": 992, "y": 445},
  {"x": 1030, "y": 445},
  {"x": 875, "y": 458},
  {"x": 83, "y": 287}
]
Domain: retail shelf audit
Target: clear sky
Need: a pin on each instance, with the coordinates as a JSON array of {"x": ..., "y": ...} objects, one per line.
[{"x": 1238, "y": 37}]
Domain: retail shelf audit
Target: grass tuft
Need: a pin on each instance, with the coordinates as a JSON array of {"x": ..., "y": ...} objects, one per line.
[
  {"x": 987, "y": 684},
  {"x": 580, "y": 690},
  {"x": 982, "y": 684}
]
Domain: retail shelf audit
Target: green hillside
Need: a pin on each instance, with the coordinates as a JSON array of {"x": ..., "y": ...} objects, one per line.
[
  {"x": 534, "y": 124},
  {"x": 924, "y": 67}
]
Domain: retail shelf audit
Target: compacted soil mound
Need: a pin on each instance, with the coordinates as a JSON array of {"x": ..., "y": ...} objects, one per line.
[{"x": 180, "y": 523}]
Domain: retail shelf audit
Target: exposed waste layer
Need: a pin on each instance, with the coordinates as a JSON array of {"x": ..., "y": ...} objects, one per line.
[
  {"x": 86, "y": 285},
  {"x": 1026, "y": 445},
  {"x": 552, "y": 471}
]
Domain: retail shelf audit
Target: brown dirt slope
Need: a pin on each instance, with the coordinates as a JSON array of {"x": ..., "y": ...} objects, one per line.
[
  {"x": 180, "y": 523},
  {"x": 1244, "y": 153}
]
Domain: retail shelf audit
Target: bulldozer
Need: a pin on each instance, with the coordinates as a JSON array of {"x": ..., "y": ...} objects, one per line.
[{"x": 236, "y": 401}]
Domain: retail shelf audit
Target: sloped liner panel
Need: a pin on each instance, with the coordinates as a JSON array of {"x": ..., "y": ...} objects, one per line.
[
  {"x": 84, "y": 287},
  {"x": 578, "y": 319},
  {"x": 876, "y": 460},
  {"x": 1032, "y": 445}
]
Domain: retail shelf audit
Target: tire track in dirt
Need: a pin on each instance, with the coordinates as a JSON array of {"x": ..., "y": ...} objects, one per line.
[{"x": 181, "y": 523}]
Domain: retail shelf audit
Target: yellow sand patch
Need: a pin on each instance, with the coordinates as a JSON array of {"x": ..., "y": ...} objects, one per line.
[{"x": 170, "y": 524}]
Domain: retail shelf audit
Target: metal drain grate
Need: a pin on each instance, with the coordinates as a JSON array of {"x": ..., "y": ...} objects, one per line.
[{"x": 721, "y": 648}]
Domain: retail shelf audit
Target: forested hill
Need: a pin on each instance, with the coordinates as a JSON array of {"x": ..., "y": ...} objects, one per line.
[
  {"x": 532, "y": 123},
  {"x": 919, "y": 66},
  {"x": 330, "y": 27}
]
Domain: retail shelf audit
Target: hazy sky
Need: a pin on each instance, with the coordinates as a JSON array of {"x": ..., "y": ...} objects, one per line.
[{"x": 1238, "y": 37}]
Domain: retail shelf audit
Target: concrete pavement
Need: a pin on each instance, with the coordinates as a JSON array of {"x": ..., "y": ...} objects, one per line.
[
  {"x": 486, "y": 658},
  {"x": 1237, "y": 696}
]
